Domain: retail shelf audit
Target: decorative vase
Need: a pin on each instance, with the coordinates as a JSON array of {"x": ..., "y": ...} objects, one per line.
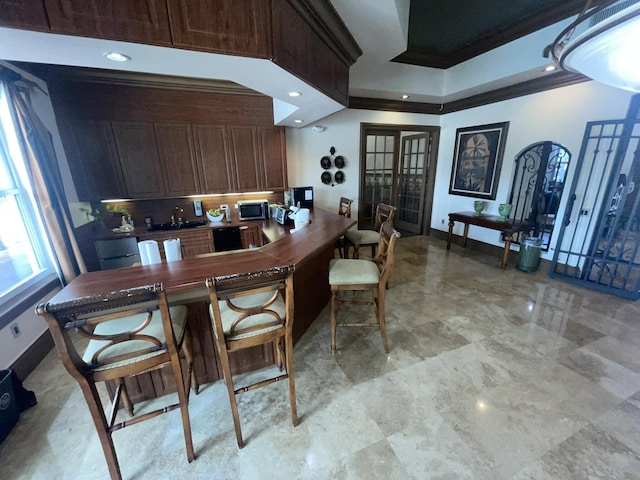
[
  {"x": 478, "y": 206},
  {"x": 504, "y": 209}
]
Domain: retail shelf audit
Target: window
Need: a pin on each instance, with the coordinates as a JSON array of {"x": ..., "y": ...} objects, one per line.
[{"x": 25, "y": 257}]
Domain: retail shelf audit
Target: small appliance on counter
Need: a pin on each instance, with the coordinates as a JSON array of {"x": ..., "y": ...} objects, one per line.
[
  {"x": 301, "y": 197},
  {"x": 253, "y": 209},
  {"x": 281, "y": 215}
]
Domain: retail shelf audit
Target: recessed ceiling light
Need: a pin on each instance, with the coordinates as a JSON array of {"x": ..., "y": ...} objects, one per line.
[
  {"x": 298, "y": 120},
  {"x": 404, "y": 97},
  {"x": 117, "y": 57},
  {"x": 549, "y": 68},
  {"x": 294, "y": 94}
]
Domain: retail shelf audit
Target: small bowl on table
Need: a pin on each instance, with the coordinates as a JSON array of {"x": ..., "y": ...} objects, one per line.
[{"x": 217, "y": 218}]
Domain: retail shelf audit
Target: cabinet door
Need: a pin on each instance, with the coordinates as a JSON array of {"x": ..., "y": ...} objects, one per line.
[
  {"x": 211, "y": 154},
  {"x": 251, "y": 235},
  {"x": 138, "y": 153},
  {"x": 223, "y": 26},
  {"x": 244, "y": 158},
  {"x": 143, "y": 21},
  {"x": 28, "y": 14},
  {"x": 93, "y": 160},
  {"x": 273, "y": 158},
  {"x": 179, "y": 166}
]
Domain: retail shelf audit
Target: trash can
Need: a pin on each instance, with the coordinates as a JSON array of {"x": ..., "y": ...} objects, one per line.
[{"x": 529, "y": 254}]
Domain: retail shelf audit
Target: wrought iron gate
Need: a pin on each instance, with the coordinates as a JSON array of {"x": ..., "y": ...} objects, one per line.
[{"x": 599, "y": 242}]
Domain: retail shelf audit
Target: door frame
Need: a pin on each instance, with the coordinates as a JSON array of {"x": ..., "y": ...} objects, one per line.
[{"x": 432, "y": 157}]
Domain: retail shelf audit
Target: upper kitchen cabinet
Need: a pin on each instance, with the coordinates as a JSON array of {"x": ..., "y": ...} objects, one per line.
[
  {"x": 142, "y": 21},
  {"x": 28, "y": 14},
  {"x": 177, "y": 158},
  {"x": 138, "y": 153},
  {"x": 243, "y": 157},
  {"x": 257, "y": 158},
  {"x": 222, "y": 26},
  {"x": 272, "y": 152},
  {"x": 211, "y": 151},
  {"x": 93, "y": 159}
]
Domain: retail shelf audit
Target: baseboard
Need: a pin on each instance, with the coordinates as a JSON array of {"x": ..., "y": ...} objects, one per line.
[
  {"x": 485, "y": 248},
  {"x": 29, "y": 360}
]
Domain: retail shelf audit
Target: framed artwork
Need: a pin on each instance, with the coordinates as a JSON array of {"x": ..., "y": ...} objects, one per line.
[{"x": 477, "y": 159}]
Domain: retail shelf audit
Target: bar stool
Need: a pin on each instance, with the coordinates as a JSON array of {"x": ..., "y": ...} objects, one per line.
[
  {"x": 344, "y": 209},
  {"x": 248, "y": 310},
  {"x": 358, "y": 238},
  {"x": 373, "y": 275},
  {"x": 131, "y": 332}
]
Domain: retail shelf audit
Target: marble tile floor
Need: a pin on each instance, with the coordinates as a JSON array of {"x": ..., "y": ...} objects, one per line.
[{"x": 492, "y": 375}]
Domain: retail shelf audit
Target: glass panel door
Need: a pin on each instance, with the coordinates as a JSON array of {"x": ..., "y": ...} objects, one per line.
[
  {"x": 378, "y": 176},
  {"x": 412, "y": 181}
]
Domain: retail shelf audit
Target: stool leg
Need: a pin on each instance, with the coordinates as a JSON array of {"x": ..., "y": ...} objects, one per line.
[{"x": 334, "y": 319}]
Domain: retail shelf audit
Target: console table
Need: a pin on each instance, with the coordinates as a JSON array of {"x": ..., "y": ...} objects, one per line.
[{"x": 508, "y": 227}]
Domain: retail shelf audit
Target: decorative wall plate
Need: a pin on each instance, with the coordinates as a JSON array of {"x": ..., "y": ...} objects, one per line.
[
  {"x": 339, "y": 161},
  {"x": 325, "y": 162},
  {"x": 339, "y": 176},
  {"x": 326, "y": 178}
]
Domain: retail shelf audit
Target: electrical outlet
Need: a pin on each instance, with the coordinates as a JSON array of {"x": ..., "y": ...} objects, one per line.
[
  {"x": 15, "y": 330},
  {"x": 224, "y": 206}
]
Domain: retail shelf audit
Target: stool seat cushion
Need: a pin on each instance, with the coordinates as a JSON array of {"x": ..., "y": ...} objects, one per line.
[
  {"x": 128, "y": 324},
  {"x": 362, "y": 237},
  {"x": 229, "y": 316},
  {"x": 350, "y": 272}
]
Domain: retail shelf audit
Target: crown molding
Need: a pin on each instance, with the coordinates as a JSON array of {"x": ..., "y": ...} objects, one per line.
[
  {"x": 327, "y": 24},
  {"x": 548, "y": 82}
]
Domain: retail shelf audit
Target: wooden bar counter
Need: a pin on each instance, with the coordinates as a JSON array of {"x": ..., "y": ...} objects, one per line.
[{"x": 309, "y": 249}]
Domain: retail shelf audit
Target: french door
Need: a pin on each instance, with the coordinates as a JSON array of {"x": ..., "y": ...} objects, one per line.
[{"x": 398, "y": 168}]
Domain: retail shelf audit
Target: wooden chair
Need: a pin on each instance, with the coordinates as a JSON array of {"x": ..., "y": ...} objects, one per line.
[
  {"x": 359, "y": 238},
  {"x": 131, "y": 332},
  {"x": 352, "y": 275},
  {"x": 254, "y": 309},
  {"x": 344, "y": 209}
]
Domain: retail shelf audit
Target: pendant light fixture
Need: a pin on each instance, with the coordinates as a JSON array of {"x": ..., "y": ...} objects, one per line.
[{"x": 602, "y": 44}]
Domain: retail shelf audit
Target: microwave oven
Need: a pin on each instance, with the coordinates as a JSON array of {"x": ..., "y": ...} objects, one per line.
[{"x": 253, "y": 209}]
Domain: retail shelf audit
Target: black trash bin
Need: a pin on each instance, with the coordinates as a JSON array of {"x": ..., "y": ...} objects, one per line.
[
  {"x": 529, "y": 254},
  {"x": 8, "y": 405}
]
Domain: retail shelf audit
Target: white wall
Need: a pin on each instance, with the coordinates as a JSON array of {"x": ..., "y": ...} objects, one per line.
[{"x": 559, "y": 115}]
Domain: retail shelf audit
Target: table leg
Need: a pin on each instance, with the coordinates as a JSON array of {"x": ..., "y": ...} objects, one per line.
[
  {"x": 451, "y": 222},
  {"x": 507, "y": 247},
  {"x": 466, "y": 232}
]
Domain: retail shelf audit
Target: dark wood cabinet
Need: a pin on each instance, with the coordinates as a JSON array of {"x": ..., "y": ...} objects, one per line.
[
  {"x": 177, "y": 158},
  {"x": 272, "y": 152},
  {"x": 29, "y": 14},
  {"x": 211, "y": 153},
  {"x": 138, "y": 153},
  {"x": 251, "y": 236},
  {"x": 142, "y": 21},
  {"x": 93, "y": 160},
  {"x": 222, "y": 26},
  {"x": 243, "y": 158}
]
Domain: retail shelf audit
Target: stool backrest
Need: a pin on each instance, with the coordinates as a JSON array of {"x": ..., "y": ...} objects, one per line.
[
  {"x": 385, "y": 252},
  {"x": 384, "y": 213},
  {"x": 345, "y": 207}
]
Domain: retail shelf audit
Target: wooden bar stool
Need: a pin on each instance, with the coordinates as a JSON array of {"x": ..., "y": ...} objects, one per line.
[
  {"x": 358, "y": 238},
  {"x": 373, "y": 275},
  {"x": 131, "y": 332},
  {"x": 344, "y": 209},
  {"x": 254, "y": 309}
]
